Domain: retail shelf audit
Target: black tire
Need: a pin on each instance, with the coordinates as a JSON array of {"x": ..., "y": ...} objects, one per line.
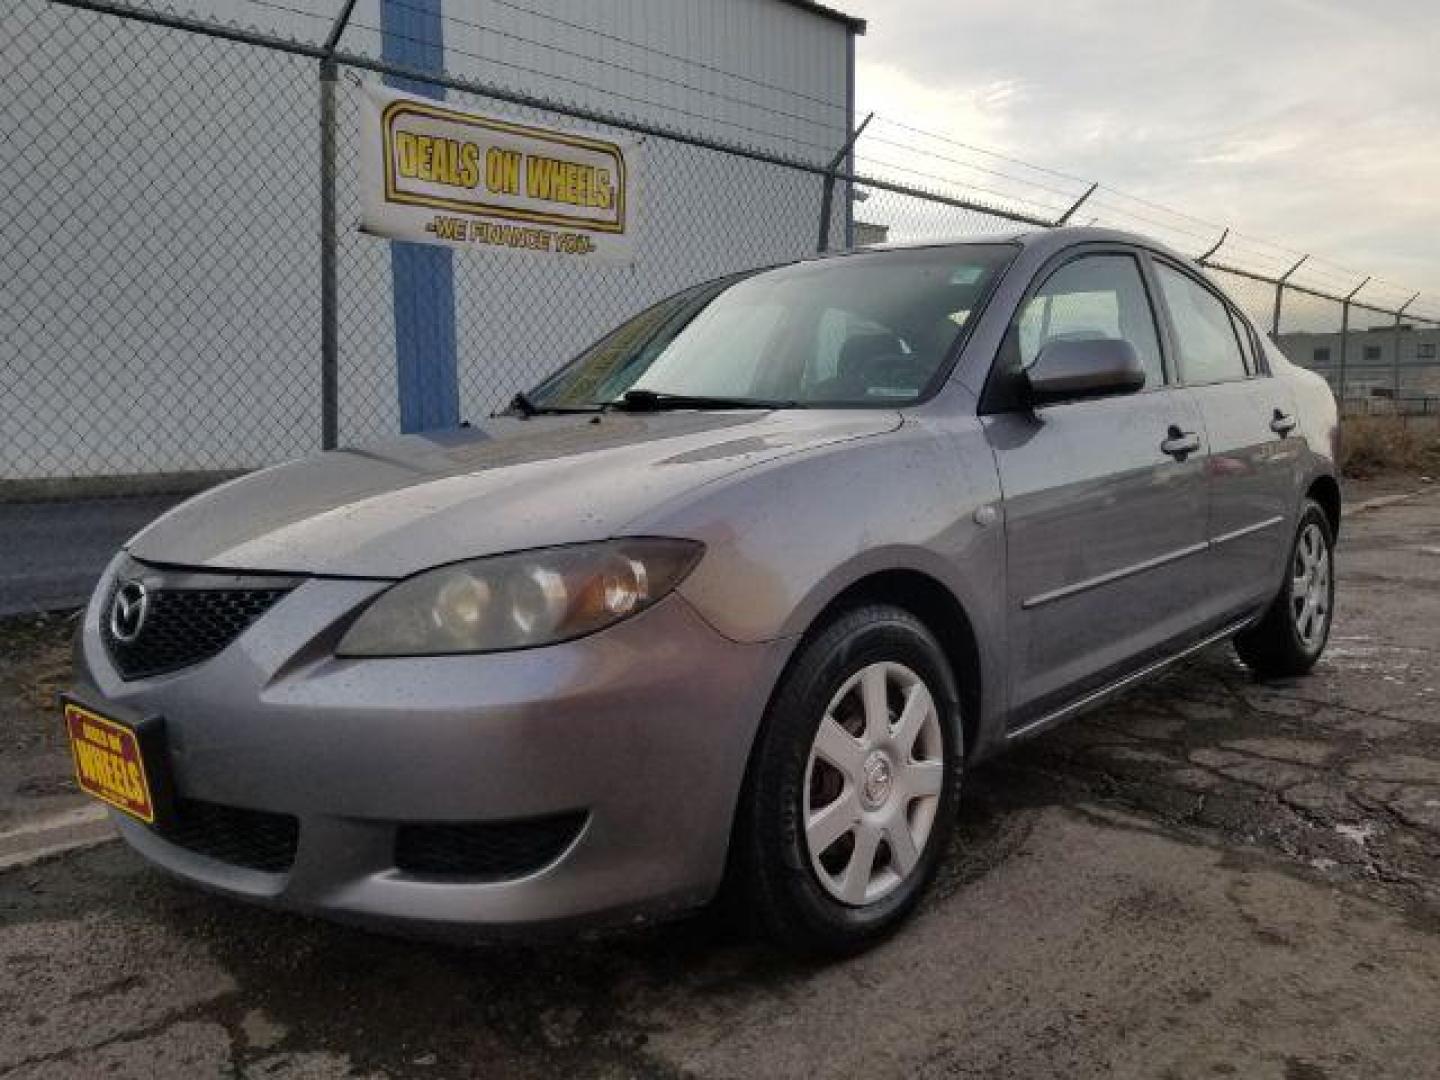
[
  {"x": 774, "y": 877},
  {"x": 1274, "y": 647}
]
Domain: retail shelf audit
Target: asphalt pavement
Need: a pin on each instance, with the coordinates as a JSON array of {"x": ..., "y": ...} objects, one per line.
[
  {"x": 55, "y": 551},
  {"x": 1213, "y": 877}
]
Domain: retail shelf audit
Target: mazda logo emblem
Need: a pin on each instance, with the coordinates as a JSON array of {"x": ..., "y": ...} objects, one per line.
[{"x": 128, "y": 610}]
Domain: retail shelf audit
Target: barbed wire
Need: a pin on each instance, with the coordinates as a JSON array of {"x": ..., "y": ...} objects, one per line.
[
  {"x": 912, "y": 148},
  {"x": 603, "y": 35},
  {"x": 106, "y": 331},
  {"x": 892, "y": 122},
  {"x": 967, "y": 186},
  {"x": 450, "y": 47},
  {"x": 1271, "y": 257},
  {"x": 1107, "y": 203},
  {"x": 608, "y": 92}
]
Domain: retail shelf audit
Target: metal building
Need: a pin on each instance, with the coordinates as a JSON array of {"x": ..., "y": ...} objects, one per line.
[
  {"x": 1388, "y": 360},
  {"x": 161, "y": 310}
]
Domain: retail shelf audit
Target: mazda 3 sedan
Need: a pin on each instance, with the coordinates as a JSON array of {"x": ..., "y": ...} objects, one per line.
[{"x": 735, "y": 596}]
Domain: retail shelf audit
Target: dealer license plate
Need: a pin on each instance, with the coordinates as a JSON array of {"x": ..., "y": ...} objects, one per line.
[{"x": 108, "y": 762}]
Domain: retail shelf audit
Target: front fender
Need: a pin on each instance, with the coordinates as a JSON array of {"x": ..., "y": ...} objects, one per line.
[{"x": 786, "y": 538}]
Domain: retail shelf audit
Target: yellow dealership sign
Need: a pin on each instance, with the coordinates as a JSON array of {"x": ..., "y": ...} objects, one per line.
[{"x": 436, "y": 174}]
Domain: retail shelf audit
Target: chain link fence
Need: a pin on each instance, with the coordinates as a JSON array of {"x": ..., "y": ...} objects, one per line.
[
  {"x": 515, "y": 328},
  {"x": 157, "y": 248},
  {"x": 164, "y": 240},
  {"x": 1377, "y": 344}
]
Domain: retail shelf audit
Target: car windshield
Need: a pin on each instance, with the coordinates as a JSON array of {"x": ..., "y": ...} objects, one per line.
[{"x": 861, "y": 330}]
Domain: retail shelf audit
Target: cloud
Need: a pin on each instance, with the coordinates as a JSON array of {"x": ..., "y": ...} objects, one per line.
[{"x": 1311, "y": 122}]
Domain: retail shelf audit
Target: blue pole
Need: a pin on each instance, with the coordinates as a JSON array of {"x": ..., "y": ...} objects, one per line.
[{"x": 423, "y": 276}]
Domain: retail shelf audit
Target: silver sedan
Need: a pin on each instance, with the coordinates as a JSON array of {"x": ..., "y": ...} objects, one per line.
[{"x": 736, "y": 595}]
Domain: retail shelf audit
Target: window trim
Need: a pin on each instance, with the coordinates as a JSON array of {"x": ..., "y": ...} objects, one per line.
[
  {"x": 995, "y": 398},
  {"x": 1248, "y": 358},
  {"x": 951, "y": 360},
  {"x": 1263, "y": 369},
  {"x": 1154, "y": 260}
]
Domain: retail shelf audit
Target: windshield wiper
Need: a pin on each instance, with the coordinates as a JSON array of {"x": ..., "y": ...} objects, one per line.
[
  {"x": 657, "y": 401},
  {"x": 522, "y": 406}
]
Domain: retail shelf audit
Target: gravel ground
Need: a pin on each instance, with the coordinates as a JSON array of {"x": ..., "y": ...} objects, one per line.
[
  {"x": 35, "y": 775},
  {"x": 1213, "y": 877}
]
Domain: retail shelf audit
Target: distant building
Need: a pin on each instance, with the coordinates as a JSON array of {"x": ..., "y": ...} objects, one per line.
[
  {"x": 1370, "y": 359},
  {"x": 868, "y": 234}
]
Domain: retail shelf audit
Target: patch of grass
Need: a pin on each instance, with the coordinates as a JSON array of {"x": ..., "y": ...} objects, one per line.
[
  {"x": 34, "y": 668},
  {"x": 1373, "y": 445},
  {"x": 49, "y": 673}
]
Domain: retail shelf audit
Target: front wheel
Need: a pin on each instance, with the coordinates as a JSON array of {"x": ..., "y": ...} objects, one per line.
[
  {"x": 853, "y": 784},
  {"x": 1291, "y": 635}
]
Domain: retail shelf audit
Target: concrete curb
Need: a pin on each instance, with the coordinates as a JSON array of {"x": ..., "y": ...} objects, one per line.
[
  {"x": 43, "y": 838},
  {"x": 1386, "y": 500},
  {"x": 124, "y": 486}
]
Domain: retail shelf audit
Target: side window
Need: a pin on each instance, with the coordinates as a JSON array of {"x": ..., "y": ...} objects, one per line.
[
  {"x": 1093, "y": 297},
  {"x": 1209, "y": 351}
]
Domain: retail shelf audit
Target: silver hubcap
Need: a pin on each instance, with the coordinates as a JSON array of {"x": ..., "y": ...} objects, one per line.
[
  {"x": 1310, "y": 587},
  {"x": 872, "y": 784}
]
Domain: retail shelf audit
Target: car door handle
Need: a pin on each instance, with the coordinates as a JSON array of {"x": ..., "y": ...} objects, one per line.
[
  {"x": 1283, "y": 423},
  {"x": 1179, "y": 444}
]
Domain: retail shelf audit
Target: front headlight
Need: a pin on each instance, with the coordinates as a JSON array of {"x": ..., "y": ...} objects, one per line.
[{"x": 518, "y": 601}]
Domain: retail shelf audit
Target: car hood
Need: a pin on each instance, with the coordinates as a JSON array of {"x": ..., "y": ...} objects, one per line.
[{"x": 417, "y": 501}]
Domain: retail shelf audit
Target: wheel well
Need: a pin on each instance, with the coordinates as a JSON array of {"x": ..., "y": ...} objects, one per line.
[
  {"x": 1326, "y": 492},
  {"x": 934, "y": 605}
]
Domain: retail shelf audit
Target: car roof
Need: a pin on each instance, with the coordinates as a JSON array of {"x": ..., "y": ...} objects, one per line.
[{"x": 1043, "y": 241}]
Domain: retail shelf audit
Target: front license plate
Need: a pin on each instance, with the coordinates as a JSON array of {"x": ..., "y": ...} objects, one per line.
[{"x": 108, "y": 762}]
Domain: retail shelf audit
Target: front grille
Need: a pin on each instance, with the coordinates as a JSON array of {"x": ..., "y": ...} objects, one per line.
[
  {"x": 490, "y": 851},
  {"x": 182, "y": 627},
  {"x": 254, "y": 839}
]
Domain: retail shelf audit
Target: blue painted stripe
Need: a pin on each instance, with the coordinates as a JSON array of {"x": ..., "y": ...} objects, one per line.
[{"x": 423, "y": 276}]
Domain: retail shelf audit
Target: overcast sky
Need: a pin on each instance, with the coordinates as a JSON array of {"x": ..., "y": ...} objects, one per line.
[{"x": 1315, "y": 123}]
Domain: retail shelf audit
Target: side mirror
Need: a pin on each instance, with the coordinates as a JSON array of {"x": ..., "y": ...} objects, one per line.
[{"x": 1068, "y": 370}]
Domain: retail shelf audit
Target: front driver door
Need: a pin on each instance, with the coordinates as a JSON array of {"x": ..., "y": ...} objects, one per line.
[{"x": 1105, "y": 500}]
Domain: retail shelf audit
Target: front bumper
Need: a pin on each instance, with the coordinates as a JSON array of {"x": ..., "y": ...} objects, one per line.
[{"x": 644, "y": 729}]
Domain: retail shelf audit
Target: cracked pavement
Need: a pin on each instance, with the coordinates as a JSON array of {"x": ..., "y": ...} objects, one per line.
[{"x": 1211, "y": 877}]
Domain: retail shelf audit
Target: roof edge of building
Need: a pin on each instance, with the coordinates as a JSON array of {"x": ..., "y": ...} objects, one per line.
[{"x": 857, "y": 26}]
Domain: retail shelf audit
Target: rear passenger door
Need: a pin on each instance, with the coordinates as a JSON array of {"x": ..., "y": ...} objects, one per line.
[
  {"x": 1248, "y": 418},
  {"x": 1104, "y": 499}
]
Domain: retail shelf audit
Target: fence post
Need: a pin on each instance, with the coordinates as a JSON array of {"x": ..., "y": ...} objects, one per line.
[
  {"x": 827, "y": 196},
  {"x": 329, "y": 281},
  {"x": 329, "y": 241},
  {"x": 1064, "y": 218},
  {"x": 827, "y": 192},
  {"x": 1204, "y": 260},
  {"x": 1395, "y": 364},
  {"x": 1280, "y": 293},
  {"x": 1345, "y": 334},
  {"x": 1344, "y": 344}
]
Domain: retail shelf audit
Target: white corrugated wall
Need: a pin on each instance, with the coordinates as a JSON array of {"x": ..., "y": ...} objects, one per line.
[{"x": 183, "y": 333}]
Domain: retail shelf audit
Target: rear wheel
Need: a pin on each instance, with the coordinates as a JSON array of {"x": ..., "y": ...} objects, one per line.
[
  {"x": 853, "y": 785},
  {"x": 1292, "y": 633}
]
